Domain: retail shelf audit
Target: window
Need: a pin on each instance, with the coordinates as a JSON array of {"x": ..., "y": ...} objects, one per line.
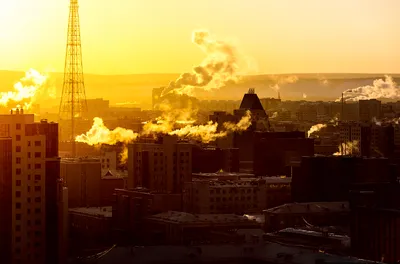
[
  {"x": 28, "y": 211},
  {"x": 29, "y": 143},
  {"x": 38, "y": 154},
  {"x": 18, "y": 148},
  {"x": 38, "y": 188},
  {"x": 38, "y": 166},
  {"x": 18, "y": 205},
  {"x": 17, "y": 239},
  {"x": 18, "y": 194},
  {"x": 18, "y": 160},
  {"x": 37, "y": 210},
  {"x": 29, "y": 177},
  {"x": 37, "y": 177},
  {"x": 38, "y": 234},
  {"x": 38, "y": 222},
  {"x": 29, "y": 223},
  {"x": 29, "y": 155},
  {"x": 18, "y": 182},
  {"x": 38, "y": 143},
  {"x": 29, "y": 188},
  {"x": 18, "y": 171},
  {"x": 38, "y": 199},
  {"x": 18, "y": 126},
  {"x": 28, "y": 200},
  {"x": 17, "y": 228},
  {"x": 18, "y": 137},
  {"x": 17, "y": 250},
  {"x": 18, "y": 216}
]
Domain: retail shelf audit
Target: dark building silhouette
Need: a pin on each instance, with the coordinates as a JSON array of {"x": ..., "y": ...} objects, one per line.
[
  {"x": 214, "y": 159},
  {"x": 274, "y": 151},
  {"x": 53, "y": 184},
  {"x": 5, "y": 198},
  {"x": 375, "y": 222},
  {"x": 328, "y": 178}
]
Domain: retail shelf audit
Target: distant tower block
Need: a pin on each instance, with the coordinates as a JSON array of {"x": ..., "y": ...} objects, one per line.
[{"x": 73, "y": 98}]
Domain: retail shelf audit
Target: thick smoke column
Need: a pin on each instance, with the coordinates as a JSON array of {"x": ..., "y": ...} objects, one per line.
[
  {"x": 100, "y": 134},
  {"x": 315, "y": 128},
  {"x": 27, "y": 90},
  {"x": 218, "y": 68},
  {"x": 380, "y": 89}
]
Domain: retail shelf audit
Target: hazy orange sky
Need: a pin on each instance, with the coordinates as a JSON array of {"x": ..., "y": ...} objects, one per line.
[{"x": 148, "y": 36}]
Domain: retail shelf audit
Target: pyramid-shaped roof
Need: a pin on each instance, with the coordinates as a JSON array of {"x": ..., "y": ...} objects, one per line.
[{"x": 251, "y": 101}]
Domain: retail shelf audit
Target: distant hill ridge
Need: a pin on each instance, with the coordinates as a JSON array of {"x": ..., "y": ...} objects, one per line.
[{"x": 137, "y": 87}]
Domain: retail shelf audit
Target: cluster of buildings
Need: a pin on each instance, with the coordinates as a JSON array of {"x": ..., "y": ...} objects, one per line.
[{"x": 252, "y": 190}]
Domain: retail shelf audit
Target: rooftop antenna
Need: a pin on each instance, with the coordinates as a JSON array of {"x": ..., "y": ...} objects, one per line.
[
  {"x": 279, "y": 95},
  {"x": 251, "y": 91}
]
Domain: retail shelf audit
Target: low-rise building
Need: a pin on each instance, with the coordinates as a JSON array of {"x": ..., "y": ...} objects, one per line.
[
  {"x": 182, "y": 228},
  {"x": 234, "y": 193},
  {"x": 301, "y": 214},
  {"x": 90, "y": 228}
]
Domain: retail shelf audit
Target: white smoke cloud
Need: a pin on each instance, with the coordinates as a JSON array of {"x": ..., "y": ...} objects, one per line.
[
  {"x": 380, "y": 89},
  {"x": 218, "y": 68},
  {"x": 304, "y": 96},
  {"x": 315, "y": 128}
]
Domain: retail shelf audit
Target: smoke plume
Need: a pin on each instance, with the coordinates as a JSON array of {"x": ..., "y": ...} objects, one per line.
[
  {"x": 205, "y": 133},
  {"x": 32, "y": 86},
  {"x": 100, "y": 134},
  {"x": 218, "y": 67},
  {"x": 304, "y": 96},
  {"x": 281, "y": 80},
  {"x": 348, "y": 148},
  {"x": 380, "y": 89},
  {"x": 242, "y": 125},
  {"x": 315, "y": 128}
]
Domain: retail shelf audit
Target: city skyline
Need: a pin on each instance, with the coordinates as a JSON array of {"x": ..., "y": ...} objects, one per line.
[{"x": 275, "y": 37}]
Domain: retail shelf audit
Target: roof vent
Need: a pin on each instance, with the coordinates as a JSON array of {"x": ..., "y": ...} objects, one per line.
[{"x": 251, "y": 91}]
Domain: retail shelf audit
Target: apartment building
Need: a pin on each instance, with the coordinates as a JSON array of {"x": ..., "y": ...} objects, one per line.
[{"x": 32, "y": 191}]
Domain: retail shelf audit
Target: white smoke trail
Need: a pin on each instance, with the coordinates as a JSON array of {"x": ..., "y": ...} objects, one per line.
[
  {"x": 348, "y": 148},
  {"x": 380, "y": 89},
  {"x": 315, "y": 128}
]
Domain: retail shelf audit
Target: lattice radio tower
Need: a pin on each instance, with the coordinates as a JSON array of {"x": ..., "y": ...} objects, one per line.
[{"x": 73, "y": 98}]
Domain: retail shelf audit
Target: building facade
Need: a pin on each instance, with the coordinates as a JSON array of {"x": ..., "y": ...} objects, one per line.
[
  {"x": 241, "y": 195},
  {"x": 34, "y": 181}
]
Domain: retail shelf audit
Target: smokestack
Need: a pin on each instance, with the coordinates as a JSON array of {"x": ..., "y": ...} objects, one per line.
[{"x": 11, "y": 111}]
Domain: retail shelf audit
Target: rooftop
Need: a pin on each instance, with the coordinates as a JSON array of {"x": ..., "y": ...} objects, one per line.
[
  {"x": 80, "y": 160},
  {"x": 318, "y": 207},
  {"x": 244, "y": 182},
  {"x": 182, "y": 217},
  {"x": 93, "y": 211}
]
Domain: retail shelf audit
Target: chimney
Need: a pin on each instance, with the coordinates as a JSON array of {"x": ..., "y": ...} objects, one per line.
[
  {"x": 22, "y": 111},
  {"x": 11, "y": 111},
  {"x": 17, "y": 111}
]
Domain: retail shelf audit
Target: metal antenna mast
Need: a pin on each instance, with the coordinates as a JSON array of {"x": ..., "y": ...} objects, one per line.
[{"x": 73, "y": 98}]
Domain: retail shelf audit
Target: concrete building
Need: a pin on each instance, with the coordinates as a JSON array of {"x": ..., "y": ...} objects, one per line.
[
  {"x": 369, "y": 109},
  {"x": 241, "y": 195},
  {"x": 131, "y": 207},
  {"x": 83, "y": 179},
  {"x": 368, "y": 138},
  {"x": 375, "y": 218},
  {"x": 328, "y": 178},
  {"x": 90, "y": 228},
  {"x": 161, "y": 166},
  {"x": 302, "y": 214},
  {"x": 32, "y": 214},
  {"x": 183, "y": 228},
  {"x": 274, "y": 151}
]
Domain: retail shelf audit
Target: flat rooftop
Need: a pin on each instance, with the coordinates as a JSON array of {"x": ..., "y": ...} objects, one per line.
[
  {"x": 317, "y": 207},
  {"x": 80, "y": 160},
  {"x": 93, "y": 211},
  {"x": 182, "y": 217},
  {"x": 244, "y": 182}
]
